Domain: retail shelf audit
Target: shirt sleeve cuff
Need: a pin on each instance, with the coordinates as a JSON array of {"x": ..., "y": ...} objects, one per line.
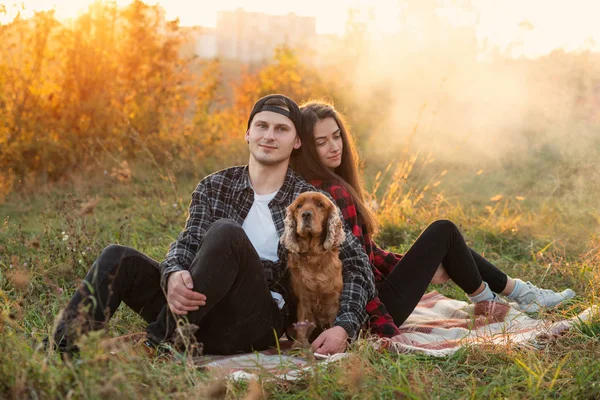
[
  {"x": 350, "y": 327},
  {"x": 166, "y": 273}
]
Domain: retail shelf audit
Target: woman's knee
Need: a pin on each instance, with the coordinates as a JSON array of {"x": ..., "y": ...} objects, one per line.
[{"x": 444, "y": 226}]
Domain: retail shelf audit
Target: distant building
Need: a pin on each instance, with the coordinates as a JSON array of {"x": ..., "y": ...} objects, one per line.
[
  {"x": 202, "y": 42},
  {"x": 252, "y": 37},
  {"x": 206, "y": 44}
]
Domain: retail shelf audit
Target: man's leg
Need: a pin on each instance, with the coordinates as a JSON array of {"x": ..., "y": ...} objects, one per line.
[
  {"x": 119, "y": 274},
  {"x": 240, "y": 314}
]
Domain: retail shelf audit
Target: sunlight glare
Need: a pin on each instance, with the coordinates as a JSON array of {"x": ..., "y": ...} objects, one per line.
[{"x": 530, "y": 28}]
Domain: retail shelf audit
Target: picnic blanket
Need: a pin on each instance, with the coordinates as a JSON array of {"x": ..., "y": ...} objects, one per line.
[
  {"x": 276, "y": 363},
  {"x": 439, "y": 326}
]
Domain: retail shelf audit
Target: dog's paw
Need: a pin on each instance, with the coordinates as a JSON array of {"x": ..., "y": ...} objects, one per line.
[
  {"x": 303, "y": 330},
  {"x": 303, "y": 324}
]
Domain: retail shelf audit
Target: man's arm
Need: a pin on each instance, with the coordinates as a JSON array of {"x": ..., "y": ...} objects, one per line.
[
  {"x": 358, "y": 289},
  {"x": 184, "y": 249},
  {"x": 359, "y": 285}
]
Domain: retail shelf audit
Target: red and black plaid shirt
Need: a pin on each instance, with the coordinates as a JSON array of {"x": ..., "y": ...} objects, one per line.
[{"x": 382, "y": 262}]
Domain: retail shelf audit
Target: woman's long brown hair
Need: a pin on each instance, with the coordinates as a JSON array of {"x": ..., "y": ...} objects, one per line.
[{"x": 309, "y": 166}]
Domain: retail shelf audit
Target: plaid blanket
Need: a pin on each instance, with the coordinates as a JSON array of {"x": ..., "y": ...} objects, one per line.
[
  {"x": 281, "y": 364},
  {"x": 440, "y": 326}
]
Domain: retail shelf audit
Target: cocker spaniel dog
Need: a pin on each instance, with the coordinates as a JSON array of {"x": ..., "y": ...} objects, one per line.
[{"x": 313, "y": 234}]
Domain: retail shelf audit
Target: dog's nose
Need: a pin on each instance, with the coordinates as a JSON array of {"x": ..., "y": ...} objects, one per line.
[{"x": 306, "y": 214}]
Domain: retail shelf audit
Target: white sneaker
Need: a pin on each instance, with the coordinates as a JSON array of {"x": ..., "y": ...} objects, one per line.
[
  {"x": 486, "y": 295},
  {"x": 498, "y": 299},
  {"x": 531, "y": 298}
]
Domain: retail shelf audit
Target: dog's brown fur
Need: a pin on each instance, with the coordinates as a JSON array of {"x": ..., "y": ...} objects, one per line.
[{"x": 313, "y": 243}]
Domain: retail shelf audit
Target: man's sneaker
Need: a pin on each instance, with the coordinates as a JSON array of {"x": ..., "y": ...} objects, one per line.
[
  {"x": 136, "y": 344},
  {"x": 145, "y": 348},
  {"x": 531, "y": 298},
  {"x": 66, "y": 349}
]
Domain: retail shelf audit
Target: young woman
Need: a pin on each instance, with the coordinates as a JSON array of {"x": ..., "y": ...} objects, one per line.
[{"x": 328, "y": 159}]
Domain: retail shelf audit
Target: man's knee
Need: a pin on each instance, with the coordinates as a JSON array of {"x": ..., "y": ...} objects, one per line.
[
  {"x": 224, "y": 237},
  {"x": 113, "y": 255},
  {"x": 225, "y": 231},
  {"x": 113, "y": 252}
]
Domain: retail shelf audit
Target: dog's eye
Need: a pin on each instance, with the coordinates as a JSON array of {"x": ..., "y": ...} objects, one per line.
[
  {"x": 320, "y": 204},
  {"x": 299, "y": 206}
]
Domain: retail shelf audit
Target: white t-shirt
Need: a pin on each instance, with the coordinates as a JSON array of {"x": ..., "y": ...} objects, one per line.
[
  {"x": 261, "y": 231},
  {"x": 260, "y": 228}
]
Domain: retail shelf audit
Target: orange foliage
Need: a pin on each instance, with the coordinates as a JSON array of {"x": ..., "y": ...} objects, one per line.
[
  {"x": 112, "y": 83},
  {"x": 285, "y": 75},
  {"x": 115, "y": 86}
]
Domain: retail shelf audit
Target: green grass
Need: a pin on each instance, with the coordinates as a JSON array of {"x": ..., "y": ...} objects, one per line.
[{"x": 40, "y": 267}]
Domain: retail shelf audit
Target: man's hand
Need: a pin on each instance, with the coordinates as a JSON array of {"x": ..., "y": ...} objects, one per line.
[
  {"x": 401, "y": 338},
  {"x": 180, "y": 296},
  {"x": 331, "y": 341}
]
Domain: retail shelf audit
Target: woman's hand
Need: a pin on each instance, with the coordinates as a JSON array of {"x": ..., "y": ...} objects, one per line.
[{"x": 440, "y": 276}]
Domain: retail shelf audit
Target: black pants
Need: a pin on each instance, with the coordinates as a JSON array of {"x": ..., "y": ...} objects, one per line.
[
  {"x": 440, "y": 242},
  {"x": 240, "y": 314}
]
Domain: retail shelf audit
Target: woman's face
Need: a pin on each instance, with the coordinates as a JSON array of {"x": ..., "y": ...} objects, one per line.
[{"x": 328, "y": 140}]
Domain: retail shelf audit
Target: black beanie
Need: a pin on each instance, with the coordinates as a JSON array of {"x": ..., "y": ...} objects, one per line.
[{"x": 293, "y": 113}]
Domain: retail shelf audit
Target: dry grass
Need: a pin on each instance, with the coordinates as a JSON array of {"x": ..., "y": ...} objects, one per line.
[{"x": 48, "y": 242}]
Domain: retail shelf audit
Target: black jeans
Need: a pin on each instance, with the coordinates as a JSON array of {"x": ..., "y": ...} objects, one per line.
[
  {"x": 240, "y": 314},
  {"x": 440, "y": 242}
]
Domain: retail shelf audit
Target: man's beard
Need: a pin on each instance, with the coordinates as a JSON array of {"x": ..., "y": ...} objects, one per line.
[
  {"x": 270, "y": 162},
  {"x": 266, "y": 159}
]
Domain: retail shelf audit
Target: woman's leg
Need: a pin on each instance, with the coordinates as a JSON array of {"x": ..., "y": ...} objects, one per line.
[
  {"x": 440, "y": 242},
  {"x": 498, "y": 281},
  {"x": 528, "y": 296}
]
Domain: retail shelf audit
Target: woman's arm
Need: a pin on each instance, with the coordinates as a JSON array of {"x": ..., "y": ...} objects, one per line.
[
  {"x": 383, "y": 261},
  {"x": 380, "y": 322}
]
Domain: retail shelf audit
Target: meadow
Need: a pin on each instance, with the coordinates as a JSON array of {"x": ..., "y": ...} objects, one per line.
[
  {"x": 106, "y": 126},
  {"x": 50, "y": 237}
]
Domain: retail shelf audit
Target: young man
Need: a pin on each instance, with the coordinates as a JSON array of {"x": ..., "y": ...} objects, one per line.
[{"x": 226, "y": 272}]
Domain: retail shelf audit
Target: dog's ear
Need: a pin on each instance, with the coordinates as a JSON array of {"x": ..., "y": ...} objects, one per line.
[
  {"x": 288, "y": 239},
  {"x": 335, "y": 230}
]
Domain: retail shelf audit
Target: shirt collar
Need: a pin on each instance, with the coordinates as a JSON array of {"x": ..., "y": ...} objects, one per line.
[
  {"x": 244, "y": 182},
  {"x": 286, "y": 191},
  {"x": 283, "y": 194}
]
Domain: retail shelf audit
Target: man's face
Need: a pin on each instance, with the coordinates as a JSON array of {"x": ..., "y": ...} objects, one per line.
[{"x": 272, "y": 137}]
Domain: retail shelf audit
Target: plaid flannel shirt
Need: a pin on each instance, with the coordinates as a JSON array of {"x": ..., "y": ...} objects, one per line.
[
  {"x": 382, "y": 262},
  {"x": 228, "y": 194}
]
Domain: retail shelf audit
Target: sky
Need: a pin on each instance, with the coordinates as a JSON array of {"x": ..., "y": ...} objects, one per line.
[{"x": 568, "y": 24}]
